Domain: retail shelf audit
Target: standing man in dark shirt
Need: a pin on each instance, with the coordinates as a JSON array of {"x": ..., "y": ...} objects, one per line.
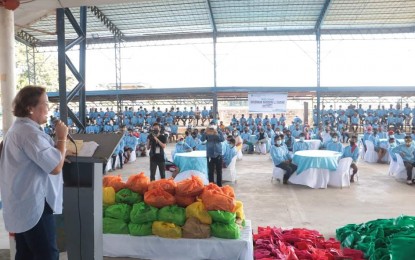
[
  {"x": 156, "y": 143},
  {"x": 213, "y": 138}
]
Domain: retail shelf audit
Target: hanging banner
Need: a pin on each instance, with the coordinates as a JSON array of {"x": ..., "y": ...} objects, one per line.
[{"x": 267, "y": 102}]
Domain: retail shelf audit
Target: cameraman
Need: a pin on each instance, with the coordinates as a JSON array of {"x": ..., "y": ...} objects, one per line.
[
  {"x": 213, "y": 139},
  {"x": 156, "y": 143}
]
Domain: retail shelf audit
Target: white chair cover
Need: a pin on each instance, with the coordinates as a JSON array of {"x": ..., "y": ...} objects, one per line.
[
  {"x": 341, "y": 176},
  {"x": 261, "y": 147},
  {"x": 370, "y": 156},
  {"x": 278, "y": 174},
  {"x": 133, "y": 156},
  {"x": 400, "y": 170},
  {"x": 187, "y": 174},
  {"x": 239, "y": 155},
  {"x": 392, "y": 165},
  {"x": 229, "y": 173},
  {"x": 313, "y": 178}
]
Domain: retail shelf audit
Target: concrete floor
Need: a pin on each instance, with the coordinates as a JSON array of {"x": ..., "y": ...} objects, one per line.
[{"x": 375, "y": 195}]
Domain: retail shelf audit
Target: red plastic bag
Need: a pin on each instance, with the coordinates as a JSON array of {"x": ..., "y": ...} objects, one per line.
[
  {"x": 159, "y": 198},
  {"x": 190, "y": 187},
  {"x": 168, "y": 185},
  {"x": 138, "y": 183}
]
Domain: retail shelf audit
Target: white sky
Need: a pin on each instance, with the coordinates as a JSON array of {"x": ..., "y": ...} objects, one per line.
[{"x": 278, "y": 63}]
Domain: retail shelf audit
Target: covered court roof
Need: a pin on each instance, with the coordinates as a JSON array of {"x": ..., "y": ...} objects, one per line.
[
  {"x": 239, "y": 93},
  {"x": 155, "y": 20}
]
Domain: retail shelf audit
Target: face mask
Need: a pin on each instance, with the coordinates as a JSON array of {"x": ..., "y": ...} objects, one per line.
[
  {"x": 334, "y": 139},
  {"x": 334, "y": 129},
  {"x": 279, "y": 142},
  {"x": 156, "y": 132},
  {"x": 235, "y": 134},
  {"x": 180, "y": 142},
  {"x": 352, "y": 143},
  {"x": 302, "y": 139}
]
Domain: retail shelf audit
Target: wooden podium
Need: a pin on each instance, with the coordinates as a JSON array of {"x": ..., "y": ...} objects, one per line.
[{"x": 82, "y": 198}]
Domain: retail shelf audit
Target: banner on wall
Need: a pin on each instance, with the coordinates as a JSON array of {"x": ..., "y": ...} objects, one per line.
[{"x": 267, "y": 102}]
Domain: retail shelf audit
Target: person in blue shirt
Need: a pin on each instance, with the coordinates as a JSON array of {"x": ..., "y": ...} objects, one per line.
[
  {"x": 258, "y": 119},
  {"x": 301, "y": 145},
  {"x": 354, "y": 121},
  {"x": 399, "y": 134},
  {"x": 413, "y": 133},
  {"x": 281, "y": 158},
  {"x": 407, "y": 114},
  {"x": 130, "y": 145},
  {"x": 250, "y": 120},
  {"x": 194, "y": 141},
  {"x": 352, "y": 151},
  {"x": 214, "y": 137},
  {"x": 181, "y": 147},
  {"x": 119, "y": 151},
  {"x": 407, "y": 152},
  {"x": 289, "y": 140},
  {"x": 142, "y": 141},
  {"x": 174, "y": 131},
  {"x": 205, "y": 115},
  {"x": 229, "y": 153},
  {"x": 334, "y": 145},
  {"x": 297, "y": 131}
]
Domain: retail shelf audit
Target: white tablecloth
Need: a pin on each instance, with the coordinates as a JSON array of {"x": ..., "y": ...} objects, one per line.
[{"x": 153, "y": 247}]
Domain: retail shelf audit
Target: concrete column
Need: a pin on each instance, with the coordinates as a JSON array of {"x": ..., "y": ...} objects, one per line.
[{"x": 7, "y": 66}]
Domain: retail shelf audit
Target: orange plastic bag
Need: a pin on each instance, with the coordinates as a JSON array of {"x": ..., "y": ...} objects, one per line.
[
  {"x": 228, "y": 190},
  {"x": 113, "y": 181},
  {"x": 192, "y": 186},
  {"x": 184, "y": 201},
  {"x": 208, "y": 189},
  {"x": 215, "y": 200},
  {"x": 168, "y": 185},
  {"x": 159, "y": 198},
  {"x": 138, "y": 183}
]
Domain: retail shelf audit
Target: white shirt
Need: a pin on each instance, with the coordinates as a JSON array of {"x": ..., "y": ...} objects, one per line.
[{"x": 28, "y": 158}]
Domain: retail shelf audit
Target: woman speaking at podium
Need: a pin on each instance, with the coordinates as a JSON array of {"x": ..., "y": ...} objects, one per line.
[{"x": 28, "y": 157}]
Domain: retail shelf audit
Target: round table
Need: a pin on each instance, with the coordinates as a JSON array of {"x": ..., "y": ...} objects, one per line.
[
  {"x": 320, "y": 159},
  {"x": 195, "y": 160},
  {"x": 314, "y": 167}
]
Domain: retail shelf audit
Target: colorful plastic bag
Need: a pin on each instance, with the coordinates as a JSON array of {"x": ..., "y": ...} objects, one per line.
[
  {"x": 114, "y": 226},
  {"x": 118, "y": 211},
  {"x": 159, "y": 198},
  {"x": 167, "y": 230},
  {"x": 229, "y": 231},
  {"x": 197, "y": 210},
  {"x": 228, "y": 190},
  {"x": 143, "y": 213},
  {"x": 173, "y": 214},
  {"x": 193, "y": 228},
  {"x": 128, "y": 197},
  {"x": 113, "y": 181},
  {"x": 138, "y": 183},
  {"x": 224, "y": 217},
  {"x": 215, "y": 200},
  {"x": 144, "y": 229},
  {"x": 192, "y": 186},
  {"x": 168, "y": 185},
  {"x": 108, "y": 195},
  {"x": 239, "y": 210},
  {"x": 184, "y": 201}
]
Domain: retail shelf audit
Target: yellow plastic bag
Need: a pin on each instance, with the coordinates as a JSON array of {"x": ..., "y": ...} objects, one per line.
[
  {"x": 108, "y": 195},
  {"x": 167, "y": 230},
  {"x": 197, "y": 210},
  {"x": 240, "y": 210}
]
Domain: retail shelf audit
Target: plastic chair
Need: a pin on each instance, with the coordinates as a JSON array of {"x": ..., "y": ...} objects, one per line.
[
  {"x": 341, "y": 175},
  {"x": 370, "y": 156},
  {"x": 392, "y": 165},
  {"x": 278, "y": 174},
  {"x": 229, "y": 173},
  {"x": 239, "y": 155}
]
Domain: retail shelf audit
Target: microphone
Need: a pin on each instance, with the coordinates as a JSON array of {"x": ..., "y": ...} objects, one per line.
[{"x": 54, "y": 121}]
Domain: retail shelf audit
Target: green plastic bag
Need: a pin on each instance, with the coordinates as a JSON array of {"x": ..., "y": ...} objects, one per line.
[
  {"x": 405, "y": 221},
  {"x": 403, "y": 247},
  {"x": 229, "y": 231},
  {"x": 144, "y": 229},
  {"x": 114, "y": 226},
  {"x": 143, "y": 213},
  {"x": 172, "y": 214},
  {"x": 128, "y": 197},
  {"x": 221, "y": 216},
  {"x": 119, "y": 211}
]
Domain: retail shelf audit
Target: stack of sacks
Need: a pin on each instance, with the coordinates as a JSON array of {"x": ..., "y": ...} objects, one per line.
[
  {"x": 299, "y": 243},
  {"x": 172, "y": 210},
  {"x": 221, "y": 206},
  {"x": 381, "y": 238}
]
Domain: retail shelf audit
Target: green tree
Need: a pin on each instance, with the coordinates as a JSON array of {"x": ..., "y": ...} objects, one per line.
[{"x": 46, "y": 69}]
